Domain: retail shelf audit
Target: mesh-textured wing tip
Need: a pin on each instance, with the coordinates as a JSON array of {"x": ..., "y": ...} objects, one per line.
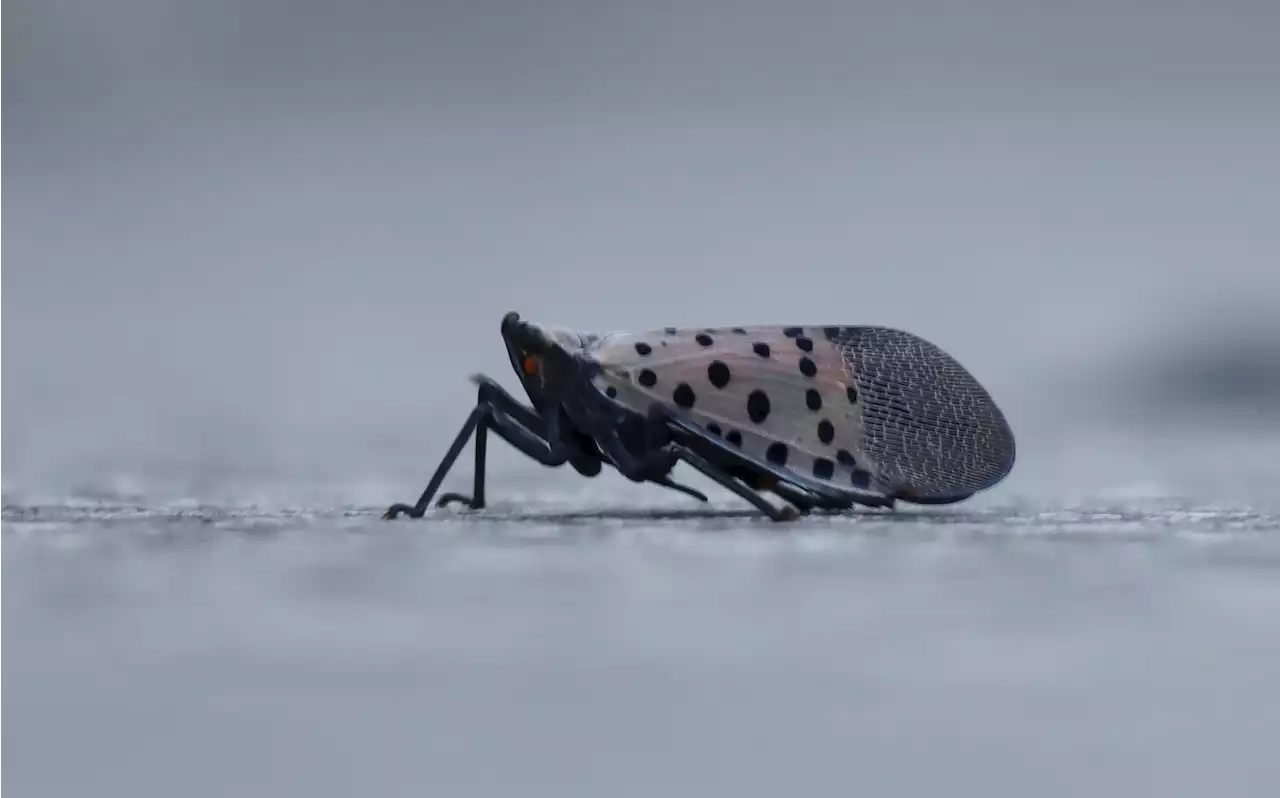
[{"x": 930, "y": 428}]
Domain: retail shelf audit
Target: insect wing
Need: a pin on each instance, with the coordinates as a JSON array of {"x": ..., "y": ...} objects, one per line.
[{"x": 865, "y": 409}]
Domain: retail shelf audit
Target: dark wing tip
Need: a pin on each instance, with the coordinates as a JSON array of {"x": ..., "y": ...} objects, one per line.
[{"x": 931, "y": 429}]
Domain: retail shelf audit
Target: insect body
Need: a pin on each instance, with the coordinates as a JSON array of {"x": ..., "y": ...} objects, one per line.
[{"x": 824, "y": 417}]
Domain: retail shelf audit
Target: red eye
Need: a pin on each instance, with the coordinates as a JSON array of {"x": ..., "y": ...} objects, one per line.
[{"x": 530, "y": 365}]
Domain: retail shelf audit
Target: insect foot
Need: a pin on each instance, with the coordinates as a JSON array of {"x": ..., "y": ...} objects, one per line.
[{"x": 396, "y": 510}]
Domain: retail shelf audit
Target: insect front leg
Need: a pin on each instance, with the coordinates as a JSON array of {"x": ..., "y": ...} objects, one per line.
[
  {"x": 495, "y": 410},
  {"x": 583, "y": 461},
  {"x": 517, "y": 425},
  {"x": 469, "y": 426}
]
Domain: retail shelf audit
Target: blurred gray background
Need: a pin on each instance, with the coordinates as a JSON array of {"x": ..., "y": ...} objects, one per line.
[
  {"x": 253, "y": 248},
  {"x": 264, "y": 241}
]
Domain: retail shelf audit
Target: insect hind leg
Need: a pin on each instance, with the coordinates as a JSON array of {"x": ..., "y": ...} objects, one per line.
[
  {"x": 803, "y": 500},
  {"x": 736, "y": 486},
  {"x": 659, "y": 431}
]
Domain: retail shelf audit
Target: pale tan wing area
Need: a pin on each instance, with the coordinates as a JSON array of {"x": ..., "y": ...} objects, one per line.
[
  {"x": 867, "y": 408},
  {"x": 780, "y": 396}
]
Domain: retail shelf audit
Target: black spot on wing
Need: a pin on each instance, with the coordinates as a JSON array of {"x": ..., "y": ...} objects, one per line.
[
  {"x": 670, "y": 330},
  {"x": 734, "y": 438},
  {"x": 683, "y": 396},
  {"x": 805, "y": 344},
  {"x": 714, "y": 429},
  {"x": 823, "y": 468},
  {"x": 860, "y": 478},
  {"x": 813, "y": 399},
  {"x": 704, "y": 339},
  {"x": 761, "y": 349},
  {"x": 792, "y": 332},
  {"x": 844, "y": 458},
  {"x": 611, "y": 392},
  {"x": 826, "y": 431},
  {"x": 852, "y": 393},
  {"x": 807, "y": 367},
  {"x": 647, "y": 378},
  {"x": 776, "y": 453},
  {"x": 739, "y": 331},
  {"x": 718, "y": 373},
  {"x": 643, "y": 349},
  {"x": 758, "y": 406}
]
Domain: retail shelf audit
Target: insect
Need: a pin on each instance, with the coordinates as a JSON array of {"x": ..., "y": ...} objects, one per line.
[{"x": 823, "y": 417}]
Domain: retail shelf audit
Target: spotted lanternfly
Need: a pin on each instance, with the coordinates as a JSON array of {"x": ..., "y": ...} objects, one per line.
[{"x": 824, "y": 417}]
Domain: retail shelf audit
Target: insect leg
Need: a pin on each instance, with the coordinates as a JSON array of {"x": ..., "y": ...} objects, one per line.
[
  {"x": 653, "y": 466},
  {"x": 581, "y": 457},
  {"x": 550, "y": 452},
  {"x": 416, "y": 511},
  {"x": 803, "y": 500},
  {"x": 497, "y": 397},
  {"x": 668, "y": 482},
  {"x": 476, "y": 500},
  {"x": 805, "y": 494},
  {"x": 656, "y": 438},
  {"x": 729, "y": 483},
  {"x": 487, "y": 415}
]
